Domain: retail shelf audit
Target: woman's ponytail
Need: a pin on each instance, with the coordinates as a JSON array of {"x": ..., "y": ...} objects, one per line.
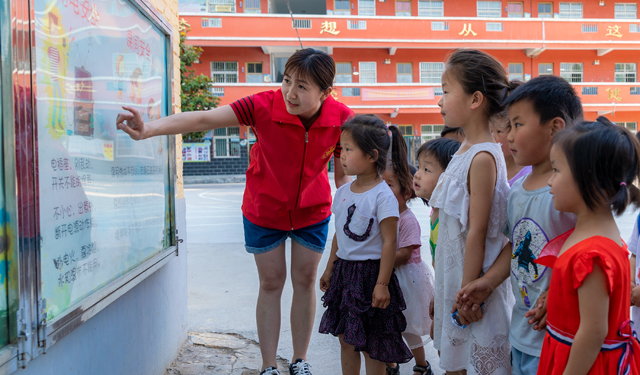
[{"x": 398, "y": 162}]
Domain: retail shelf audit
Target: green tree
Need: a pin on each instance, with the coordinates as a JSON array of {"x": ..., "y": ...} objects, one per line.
[{"x": 196, "y": 92}]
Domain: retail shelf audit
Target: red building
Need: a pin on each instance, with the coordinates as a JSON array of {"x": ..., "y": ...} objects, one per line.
[{"x": 390, "y": 54}]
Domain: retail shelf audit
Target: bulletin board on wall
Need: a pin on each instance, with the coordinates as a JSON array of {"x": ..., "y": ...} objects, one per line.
[{"x": 105, "y": 202}]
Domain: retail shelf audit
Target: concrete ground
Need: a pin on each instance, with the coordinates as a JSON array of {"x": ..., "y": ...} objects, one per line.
[{"x": 223, "y": 284}]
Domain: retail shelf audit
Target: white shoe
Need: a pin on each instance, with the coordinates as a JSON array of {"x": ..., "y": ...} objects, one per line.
[{"x": 300, "y": 367}]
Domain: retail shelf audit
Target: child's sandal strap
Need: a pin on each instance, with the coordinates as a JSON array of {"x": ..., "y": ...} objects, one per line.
[
  {"x": 393, "y": 370},
  {"x": 425, "y": 370}
]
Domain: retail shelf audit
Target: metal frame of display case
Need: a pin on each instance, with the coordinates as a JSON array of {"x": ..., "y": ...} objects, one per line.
[{"x": 31, "y": 333}]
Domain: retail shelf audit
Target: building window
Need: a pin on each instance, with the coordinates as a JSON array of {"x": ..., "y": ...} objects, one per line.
[
  {"x": 437, "y": 91},
  {"x": 516, "y": 72},
  {"x": 494, "y": 26},
  {"x": 431, "y": 72},
  {"x": 634, "y": 28},
  {"x": 572, "y": 72},
  {"x": 403, "y": 8},
  {"x": 226, "y": 142},
  {"x": 626, "y": 11},
  {"x": 356, "y": 25},
  {"x": 224, "y": 71},
  {"x": 632, "y": 126},
  {"x": 440, "y": 25},
  {"x": 626, "y": 72},
  {"x": 570, "y": 10},
  {"x": 589, "y": 27},
  {"x": 489, "y": 9},
  {"x": 545, "y": 69},
  {"x": 222, "y": 6},
  {"x": 515, "y": 10},
  {"x": 404, "y": 73},
  {"x": 635, "y": 91},
  {"x": 430, "y": 9},
  {"x": 545, "y": 10},
  {"x": 252, "y": 6},
  {"x": 342, "y": 8},
  {"x": 367, "y": 72},
  {"x": 406, "y": 130},
  {"x": 254, "y": 72},
  {"x": 366, "y": 7},
  {"x": 211, "y": 22},
  {"x": 430, "y": 132},
  {"x": 590, "y": 90},
  {"x": 343, "y": 72},
  {"x": 217, "y": 91},
  {"x": 351, "y": 91},
  {"x": 301, "y": 24}
]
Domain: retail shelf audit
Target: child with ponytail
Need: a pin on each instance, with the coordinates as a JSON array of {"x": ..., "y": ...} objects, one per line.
[
  {"x": 414, "y": 276},
  {"x": 362, "y": 295},
  {"x": 595, "y": 166}
]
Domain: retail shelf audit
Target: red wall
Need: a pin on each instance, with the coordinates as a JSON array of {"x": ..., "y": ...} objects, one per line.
[
  {"x": 468, "y": 8},
  {"x": 241, "y": 55}
]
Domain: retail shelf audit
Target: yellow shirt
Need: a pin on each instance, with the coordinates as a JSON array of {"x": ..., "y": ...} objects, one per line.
[{"x": 433, "y": 237}]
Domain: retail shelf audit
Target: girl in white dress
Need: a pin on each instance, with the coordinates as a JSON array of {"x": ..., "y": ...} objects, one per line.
[
  {"x": 472, "y": 198},
  {"x": 414, "y": 277}
]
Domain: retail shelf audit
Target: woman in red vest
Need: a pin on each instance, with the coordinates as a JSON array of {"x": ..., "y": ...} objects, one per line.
[{"x": 287, "y": 192}]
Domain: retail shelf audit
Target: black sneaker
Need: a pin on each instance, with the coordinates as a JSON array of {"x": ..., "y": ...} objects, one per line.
[
  {"x": 300, "y": 367},
  {"x": 270, "y": 371}
]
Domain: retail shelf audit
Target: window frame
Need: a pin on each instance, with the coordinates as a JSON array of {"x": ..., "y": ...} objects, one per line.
[
  {"x": 342, "y": 12},
  {"x": 367, "y": 8},
  {"x": 489, "y": 3},
  {"x": 426, "y": 11},
  {"x": 375, "y": 71},
  {"x": 545, "y": 74},
  {"x": 228, "y": 143},
  {"x": 571, "y": 11},
  {"x": 252, "y": 10},
  {"x": 349, "y": 74},
  {"x": 247, "y": 74},
  {"x": 545, "y": 14},
  {"x": 570, "y": 74},
  {"x": 625, "y": 11},
  {"x": 433, "y": 75},
  {"x": 625, "y": 73},
  {"x": 225, "y": 72},
  {"x": 515, "y": 15},
  {"x": 404, "y": 12},
  {"x": 432, "y": 132},
  {"x": 627, "y": 124},
  {"x": 521, "y": 74},
  {"x": 410, "y": 74}
]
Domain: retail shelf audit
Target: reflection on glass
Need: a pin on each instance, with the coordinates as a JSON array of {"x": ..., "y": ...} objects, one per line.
[{"x": 104, "y": 199}]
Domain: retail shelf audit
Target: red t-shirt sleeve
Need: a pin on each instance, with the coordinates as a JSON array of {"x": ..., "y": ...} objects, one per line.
[
  {"x": 337, "y": 150},
  {"x": 245, "y": 110}
]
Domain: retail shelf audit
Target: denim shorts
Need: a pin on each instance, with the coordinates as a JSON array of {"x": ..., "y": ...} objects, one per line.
[
  {"x": 259, "y": 240},
  {"x": 522, "y": 363}
]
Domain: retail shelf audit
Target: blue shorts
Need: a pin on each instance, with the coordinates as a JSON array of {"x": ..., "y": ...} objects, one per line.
[
  {"x": 522, "y": 363},
  {"x": 259, "y": 240}
]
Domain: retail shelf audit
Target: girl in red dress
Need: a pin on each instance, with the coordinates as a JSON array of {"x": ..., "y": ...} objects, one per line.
[{"x": 588, "y": 326}]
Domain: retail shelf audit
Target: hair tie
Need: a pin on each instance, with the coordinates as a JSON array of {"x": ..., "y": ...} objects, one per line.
[{"x": 623, "y": 184}]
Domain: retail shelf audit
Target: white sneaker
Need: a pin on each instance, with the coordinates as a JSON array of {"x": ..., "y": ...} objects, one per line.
[
  {"x": 300, "y": 367},
  {"x": 270, "y": 371}
]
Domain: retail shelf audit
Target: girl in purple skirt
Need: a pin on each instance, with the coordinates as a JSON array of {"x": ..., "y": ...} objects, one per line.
[{"x": 363, "y": 298}]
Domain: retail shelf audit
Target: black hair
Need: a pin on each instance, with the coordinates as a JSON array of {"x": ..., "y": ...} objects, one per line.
[
  {"x": 370, "y": 134},
  {"x": 605, "y": 162},
  {"x": 317, "y": 65},
  {"x": 446, "y": 130},
  {"x": 442, "y": 148},
  {"x": 477, "y": 71},
  {"x": 501, "y": 119},
  {"x": 551, "y": 97},
  {"x": 400, "y": 164}
]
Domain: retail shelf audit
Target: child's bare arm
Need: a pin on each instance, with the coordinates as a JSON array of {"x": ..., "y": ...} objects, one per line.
[
  {"x": 482, "y": 182},
  {"x": 389, "y": 234},
  {"x": 632, "y": 260},
  {"x": 593, "y": 300},
  {"x": 403, "y": 255},
  {"x": 325, "y": 279}
]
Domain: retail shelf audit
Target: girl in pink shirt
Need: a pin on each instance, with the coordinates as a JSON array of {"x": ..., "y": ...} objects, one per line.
[{"x": 414, "y": 277}]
